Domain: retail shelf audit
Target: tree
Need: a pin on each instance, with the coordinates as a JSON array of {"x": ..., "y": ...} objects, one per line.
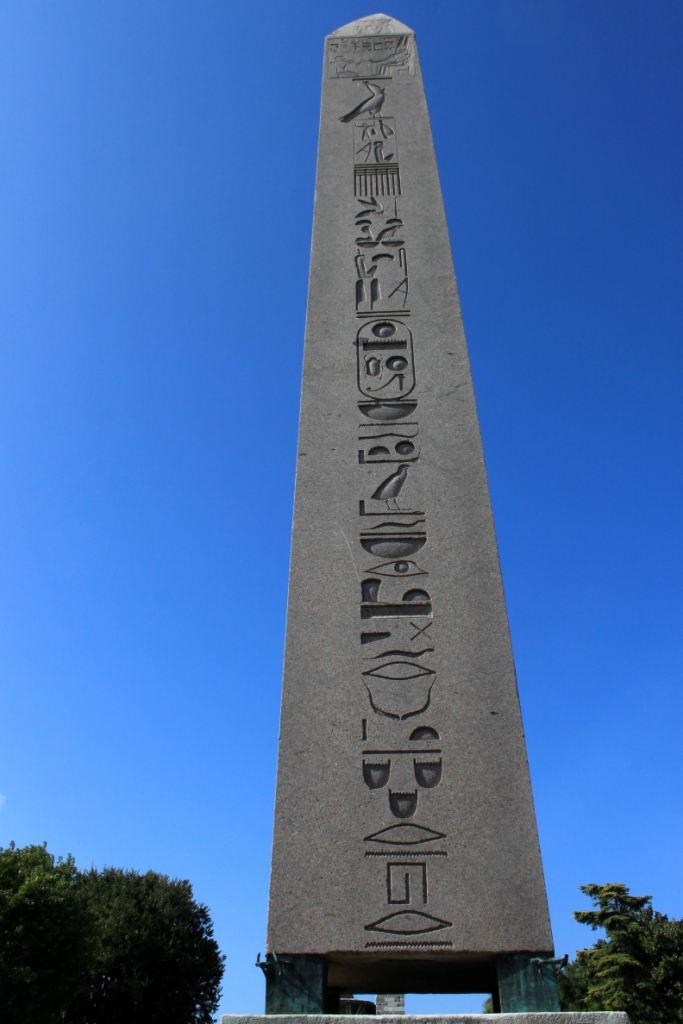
[
  {"x": 157, "y": 960},
  {"x": 45, "y": 935},
  {"x": 637, "y": 969}
]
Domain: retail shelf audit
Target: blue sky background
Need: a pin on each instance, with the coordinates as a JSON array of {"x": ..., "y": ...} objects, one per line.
[{"x": 157, "y": 170}]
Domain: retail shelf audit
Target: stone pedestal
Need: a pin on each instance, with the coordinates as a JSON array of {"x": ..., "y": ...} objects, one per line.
[{"x": 464, "y": 1018}]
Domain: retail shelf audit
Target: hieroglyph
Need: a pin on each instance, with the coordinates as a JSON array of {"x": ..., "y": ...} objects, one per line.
[{"x": 396, "y": 612}]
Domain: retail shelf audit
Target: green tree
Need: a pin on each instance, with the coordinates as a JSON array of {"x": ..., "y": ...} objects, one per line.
[
  {"x": 638, "y": 968},
  {"x": 45, "y": 935},
  {"x": 157, "y": 960}
]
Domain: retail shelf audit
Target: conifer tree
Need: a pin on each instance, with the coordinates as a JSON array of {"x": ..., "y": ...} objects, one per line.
[{"x": 638, "y": 968}]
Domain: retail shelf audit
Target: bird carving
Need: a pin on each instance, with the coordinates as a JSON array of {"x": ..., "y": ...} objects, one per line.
[
  {"x": 390, "y": 489},
  {"x": 370, "y": 105}
]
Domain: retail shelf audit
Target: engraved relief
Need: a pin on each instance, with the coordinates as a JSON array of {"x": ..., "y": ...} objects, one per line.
[
  {"x": 398, "y": 680},
  {"x": 367, "y": 285},
  {"x": 399, "y": 670},
  {"x": 390, "y": 488},
  {"x": 376, "y": 776},
  {"x": 369, "y": 105},
  {"x": 385, "y": 360},
  {"x": 370, "y": 638},
  {"x": 387, "y": 411},
  {"x": 400, "y": 653},
  {"x": 420, "y": 629},
  {"x": 424, "y": 732},
  {"x": 427, "y": 773},
  {"x": 403, "y": 805},
  {"x": 399, "y": 698},
  {"x": 413, "y": 944},
  {"x": 387, "y": 525},
  {"x": 369, "y": 206},
  {"x": 408, "y": 922},
  {"x": 381, "y": 261},
  {"x": 381, "y": 282},
  {"x": 370, "y": 594},
  {"x": 377, "y": 180},
  {"x": 407, "y": 883},
  {"x": 371, "y": 235},
  {"x": 400, "y": 452},
  {"x": 401, "y": 518},
  {"x": 405, "y": 835},
  {"x": 383, "y": 56},
  {"x": 374, "y": 141},
  {"x": 393, "y": 547},
  {"x": 400, "y": 644},
  {"x": 381, "y": 232},
  {"x": 415, "y": 602},
  {"x": 399, "y": 531},
  {"x": 373, "y": 26},
  {"x": 370, "y": 590},
  {"x": 405, "y": 567},
  {"x": 405, "y": 769}
]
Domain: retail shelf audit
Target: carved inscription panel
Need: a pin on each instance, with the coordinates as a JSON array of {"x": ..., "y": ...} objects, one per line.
[
  {"x": 398, "y": 667},
  {"x": 375, "y": 141},
  {"x": 385, "y": 360},
  {"x": 381, "y": 260},
  {"x": 371, "y": 56}
]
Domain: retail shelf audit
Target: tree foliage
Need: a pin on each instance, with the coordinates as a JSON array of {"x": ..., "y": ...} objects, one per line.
[
  {"x": 638, "y": 968},
  {"x": 46, "y": 934},
  {"x": 109, "y": 947},
  {"x": 157, "y": 961}
]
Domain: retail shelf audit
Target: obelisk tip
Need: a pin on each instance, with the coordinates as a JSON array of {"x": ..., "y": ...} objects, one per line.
[{"x": 373, "y": 25}]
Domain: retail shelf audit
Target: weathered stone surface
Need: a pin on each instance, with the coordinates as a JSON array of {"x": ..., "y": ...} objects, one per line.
[
  {"x": 456, "y": 1018},
  {"x": 388, "y": 1004},
  {"x": 404, "y": 823}
]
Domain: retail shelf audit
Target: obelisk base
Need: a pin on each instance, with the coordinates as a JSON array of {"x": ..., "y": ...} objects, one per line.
[
  {"x": 459, "y": 1018},
  {"x": 310, "y": 984}
]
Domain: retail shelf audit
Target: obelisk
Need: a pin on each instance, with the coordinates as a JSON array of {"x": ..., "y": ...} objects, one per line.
[{"x": 405, "y": 854}]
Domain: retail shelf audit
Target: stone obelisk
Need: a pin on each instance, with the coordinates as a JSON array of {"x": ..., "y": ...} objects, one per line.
[{"x": 405, "y": 852}]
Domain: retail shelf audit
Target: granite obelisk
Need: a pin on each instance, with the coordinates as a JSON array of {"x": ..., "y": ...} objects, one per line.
[{"x": 405, "y": 852}]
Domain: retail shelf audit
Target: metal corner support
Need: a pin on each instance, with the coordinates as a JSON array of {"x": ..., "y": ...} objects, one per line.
[
  {"x": 528, "y": 984},
  {"x": 295, "y": 983}
]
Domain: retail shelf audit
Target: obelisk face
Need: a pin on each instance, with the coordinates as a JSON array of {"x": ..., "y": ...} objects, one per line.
[{"x": 404, "y": 821}]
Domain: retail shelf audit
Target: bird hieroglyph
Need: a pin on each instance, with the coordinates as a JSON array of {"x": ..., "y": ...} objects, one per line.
[
  {"x": 390, "y": 488},
  {"x": 370, "y": 105}
]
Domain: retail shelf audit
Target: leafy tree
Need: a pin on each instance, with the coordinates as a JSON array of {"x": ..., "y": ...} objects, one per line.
[
  {"x": 637, "y": 969},
  {"x": 157, "y": 960},
  {"x": 45, "y": 935}
]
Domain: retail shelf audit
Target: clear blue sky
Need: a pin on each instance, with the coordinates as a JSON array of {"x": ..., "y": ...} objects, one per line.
[{"x": 157, "y": 172}]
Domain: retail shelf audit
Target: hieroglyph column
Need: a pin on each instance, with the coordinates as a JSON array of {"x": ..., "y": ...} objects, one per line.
[{"x": 404, "y": 820}]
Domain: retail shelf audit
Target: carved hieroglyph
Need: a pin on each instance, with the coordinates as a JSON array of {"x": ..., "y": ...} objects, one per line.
[{"x": 404, "y": 821}]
